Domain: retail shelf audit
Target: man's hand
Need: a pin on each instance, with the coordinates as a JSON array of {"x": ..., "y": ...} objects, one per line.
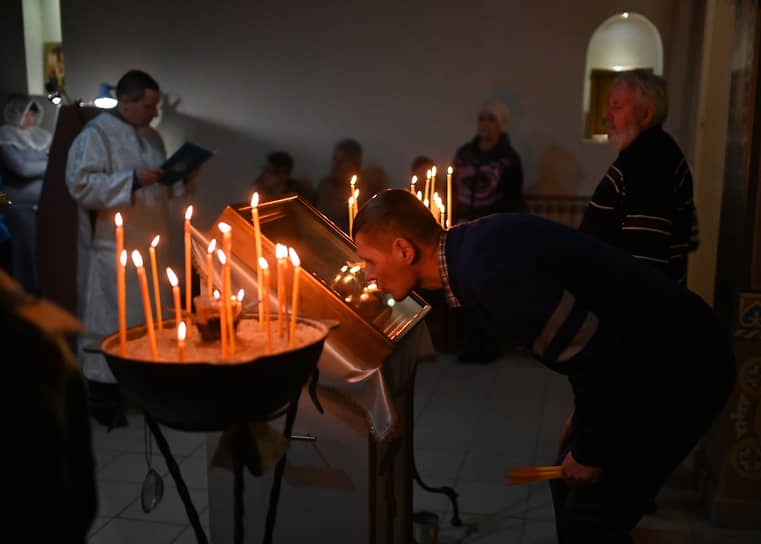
[
  {"x": 193, "y": 175},
  {"x": 148, "y": 176},
  {"x": 567, "y": 433},
  {"x": 578, "y": 475}
]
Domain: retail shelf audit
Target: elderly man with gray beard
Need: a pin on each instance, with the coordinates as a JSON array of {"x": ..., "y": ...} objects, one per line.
[{"x": 644, "y": 203}]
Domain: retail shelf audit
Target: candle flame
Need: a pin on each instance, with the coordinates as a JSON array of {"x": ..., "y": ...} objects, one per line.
[
  {"x": 281, "y": 251},
  {"x": 420, "y": 195},
  {"x": 123, "y": 257},
  {"x": 181, "y": 331},
  {"x": 263, "y": 263},
  {"x": 241, "y": 294},
  {"x": 353, "y": 181},
  {"x": 414, "y": 180},
  {"x": 356, "y": 195},
  {"x": 355, "y": 269},
  {"x": 137, "y": 259},
  {"x": 212, "y": 245},
  {"x": 172, "y": 276},
  {"x": 221, "y": 256},
  {"x": 294, "y": 257},
  {"x": 428, "y": 174},
  {"x": 449, "y": 170},
  {"x": 254, "y": 200},
  {"x": 224, "y": 227},
  {"x": 216, "y": 293},
  {"x": 433, "y": 172},
  {"x": 189, "y": 213},
  {"x": 351, "y": 200},
  {"x": 118, "y": 219},
  {"x": 155, "y": 241}
]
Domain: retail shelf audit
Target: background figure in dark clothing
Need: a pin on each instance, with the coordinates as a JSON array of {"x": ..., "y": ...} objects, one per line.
[
  {"x": 644, "y": 203},
  {"x": 649, "y": 365},
  {"x": 488, "y": 176},
  {"x": 275, "y": 179}
]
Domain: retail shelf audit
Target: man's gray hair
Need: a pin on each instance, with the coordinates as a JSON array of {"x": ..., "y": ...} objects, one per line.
[{"x": 651, "y": 90}]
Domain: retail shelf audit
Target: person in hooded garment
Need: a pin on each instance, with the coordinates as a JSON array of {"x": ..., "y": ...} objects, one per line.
[
  {"x": 113, "y": 166},
  {"x": 487, "y": 179},
  {"x": 24, "y": 149}
]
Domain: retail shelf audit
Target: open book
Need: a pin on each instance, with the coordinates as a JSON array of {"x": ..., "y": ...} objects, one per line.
[{"x": 183, "y": 162}]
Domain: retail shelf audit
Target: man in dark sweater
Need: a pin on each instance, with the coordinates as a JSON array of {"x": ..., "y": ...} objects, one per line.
[
  {"x": 644, "y": 203},
  {"x": 649, "y": 365}
]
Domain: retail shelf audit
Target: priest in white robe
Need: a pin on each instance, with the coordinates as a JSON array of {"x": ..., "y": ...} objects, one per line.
[{"x": 113, "y": 166}]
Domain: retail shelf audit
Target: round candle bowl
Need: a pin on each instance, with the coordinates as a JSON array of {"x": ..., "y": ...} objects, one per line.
[
  {"x": 206, "y": 317},
  {"x": 211, "y": 396}
]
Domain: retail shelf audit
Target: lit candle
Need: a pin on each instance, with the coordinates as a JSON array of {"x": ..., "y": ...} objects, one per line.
[
  {"x": 412, "y": 184},
  {"x": 420, "y": 195},
  {"x": 137, "y": 260},
  {"x": 210, "y": 267},
  {"x": 119, "y": 222},
  {"x": 121, "y": 285},
  {"x": 352, "y": 183},
  {"x": 222, "y": 320},
  {"x": 433, "y": 182},
  {"x": 181, "y": 341},
  {"x": 188, "y": 215},
  {"x": 155, "y": 274},
  {"x": 426, "y": 194},
  {"x": 176, "y": 295},
  {"x": 227, "y": 281},
  {"x": 351, "y": 214},
  {"x": 356, "y": 201},
  {"x": 295, "y": 298},
  {"x": 426, "y": 203},
  {"x": 258, "y": 241},
  {"x": 281, "y": 252},
  {"x": 449, "y": 197},
  {"x": 265, "y": 267}
]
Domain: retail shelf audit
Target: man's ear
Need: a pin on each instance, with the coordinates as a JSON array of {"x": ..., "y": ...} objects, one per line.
[
  {"x": 647, "y": 116},
  {"x": 404, "y": 250}
]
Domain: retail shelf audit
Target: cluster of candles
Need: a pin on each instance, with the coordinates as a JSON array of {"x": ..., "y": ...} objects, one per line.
[
  {"x": 431, "y": 198},
  {"x": 226, "y": 298}
]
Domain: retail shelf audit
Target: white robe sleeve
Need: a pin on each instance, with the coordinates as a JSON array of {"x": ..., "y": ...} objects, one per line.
[{"x": 88, "y": 178}]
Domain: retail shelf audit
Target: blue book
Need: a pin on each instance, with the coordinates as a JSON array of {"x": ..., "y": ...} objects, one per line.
[{"x": 183, "y": 162}]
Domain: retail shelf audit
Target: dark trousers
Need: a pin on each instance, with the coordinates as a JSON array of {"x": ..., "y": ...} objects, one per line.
[{"x": 647, "y": 453}]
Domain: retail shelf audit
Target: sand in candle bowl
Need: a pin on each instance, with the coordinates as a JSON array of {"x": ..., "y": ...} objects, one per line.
[{"x": 207, "y": 316}]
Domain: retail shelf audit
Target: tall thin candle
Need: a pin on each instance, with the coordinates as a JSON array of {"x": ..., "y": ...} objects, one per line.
[
  {"x": 137, "y": 260},
  {"x": 181, "y": 341},
  {"x": 295, "y": 298},
  {"x": 264, "y": 265},
  {"x": 188, "y": 215},
  {"x": 119, "y": 222},
  {"x": 258, "y": 241},
  {"x": 449, "y": 197},
  {"x": 427, "y": 185},
  {"x": 281, "y": 252},
  {"x": 351, "y": 214},
  {"x": 227, "y": 282},
  {"x": 155, "y": 275},
  {"x": 412, "y": 184},
  {"x": 433, "y": 182},
  {"x": 210, "y": 267},
  {"x": 121, "y": 287},
  {"x": 222, "y": 320},
  {"x": 175, "y": 295}
]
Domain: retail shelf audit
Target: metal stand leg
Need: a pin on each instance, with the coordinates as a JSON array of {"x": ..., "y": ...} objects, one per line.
[
  {"x": 174, "y": 470},
  {"x": 275, "y": 491}
]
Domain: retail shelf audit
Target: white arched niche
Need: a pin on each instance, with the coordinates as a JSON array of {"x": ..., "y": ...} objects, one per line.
[{"x": 622, "y": 42}]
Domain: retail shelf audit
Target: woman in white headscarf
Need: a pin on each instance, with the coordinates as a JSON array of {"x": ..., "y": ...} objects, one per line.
[{"x": 24, "y": 149}]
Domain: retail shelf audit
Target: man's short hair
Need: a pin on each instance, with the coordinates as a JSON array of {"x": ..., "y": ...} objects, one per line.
[
  {"x": 422, "y": 160},
  {"x": 281, "y": 161},
  {"x": 133, "y": 84},
  {"x": 353, "y": 149},
  {"x": 650, "y": 88},
  {"x": 397, "y": 213}
]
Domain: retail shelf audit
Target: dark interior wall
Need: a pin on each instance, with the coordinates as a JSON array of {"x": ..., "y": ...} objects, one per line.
[
  {"x": 404, "y": 78},
  {"x": 13, "y": 69}
]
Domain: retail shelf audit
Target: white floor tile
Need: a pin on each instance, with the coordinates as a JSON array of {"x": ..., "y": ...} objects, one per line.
[
  {"x": 123, "y": 531},
  {"x": 170, "y": 509}
]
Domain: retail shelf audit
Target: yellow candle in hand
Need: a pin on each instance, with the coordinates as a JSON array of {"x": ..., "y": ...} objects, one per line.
[
  {"x": 281, "y": 252},
  {"x": 137, "y": 260},
  {"x": 181, "y": 341},
  {"x": 188, "y": 215},
  {"x": 449, "y": 197},
  {"x": 155, "y": 274},
  {"x": 176, "y": 295},
  {"x": 121, "y": 288},
  {"x": 222, "y": 321},
  {"x": 210, "y": 267},
  {"x": 295, "y": 298},
  {"x": 265, "y": 268}
]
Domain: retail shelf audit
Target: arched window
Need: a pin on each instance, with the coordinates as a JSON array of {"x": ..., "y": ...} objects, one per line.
[{"x": 623, "y": 42}]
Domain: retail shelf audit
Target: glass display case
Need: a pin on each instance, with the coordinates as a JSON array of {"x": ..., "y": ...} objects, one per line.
[{"x": 333, "y": 284}]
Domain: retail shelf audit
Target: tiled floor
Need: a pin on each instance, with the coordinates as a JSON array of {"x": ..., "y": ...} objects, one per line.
[{"x": 471, "y": 423}]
